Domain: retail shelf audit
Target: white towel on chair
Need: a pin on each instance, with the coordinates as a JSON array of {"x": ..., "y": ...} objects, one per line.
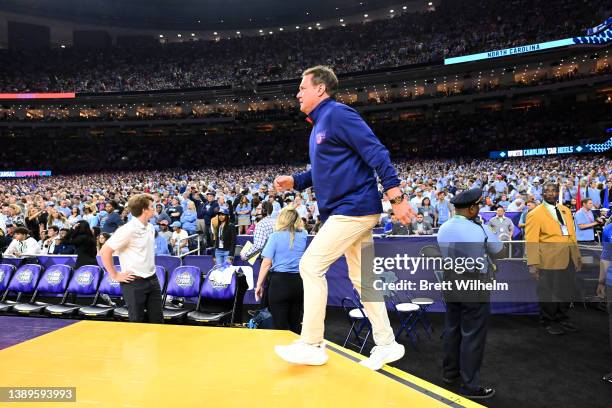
[{"x": 222, "y": 276}]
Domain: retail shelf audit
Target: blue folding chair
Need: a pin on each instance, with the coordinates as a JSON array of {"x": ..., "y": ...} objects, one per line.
[
  {"x": 433, "y": 251},
  {"x": 220, "y": 303},
  {"x": 23, "y": 282},
  {"x": 54, "y": 281},
  {"x": 359, "y": 321},
  {"x": 407, "y": 313},
  {"x": 84, "y": 283},
  {"x": 121, "y": 313},
  {"x": 184, "y": 281},
  {"x": 6, "y": 274}
]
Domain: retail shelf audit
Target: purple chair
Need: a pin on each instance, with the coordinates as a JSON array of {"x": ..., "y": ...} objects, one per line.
[
  {"x": 108, "y": 286},
  {"x": 6, "y": 273},
  {"x": 84, "y": 282},
  {"x": 24, "y": 281},
  {"x": 54, "y": 281},
  {"x": 220, "y": 303},
  {"x": 121, "y": 313},
  {"x": 185, "y": 281}
]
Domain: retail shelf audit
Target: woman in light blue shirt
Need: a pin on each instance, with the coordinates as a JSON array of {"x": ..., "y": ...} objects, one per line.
[
  {"x": 243, "y": 211},
  {"x": 282, "y": 254},
  {"x": 188, "y": 218}
]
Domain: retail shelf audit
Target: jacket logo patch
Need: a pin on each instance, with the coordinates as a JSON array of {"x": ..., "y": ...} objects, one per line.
[{"x": 320, "y": 137}]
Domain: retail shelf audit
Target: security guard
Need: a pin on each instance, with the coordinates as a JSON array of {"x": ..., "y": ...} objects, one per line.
[{"x": 467, "y": 311}]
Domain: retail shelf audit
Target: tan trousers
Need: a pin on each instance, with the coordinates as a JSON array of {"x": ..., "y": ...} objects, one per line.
[{"x": 340, "y": 235}]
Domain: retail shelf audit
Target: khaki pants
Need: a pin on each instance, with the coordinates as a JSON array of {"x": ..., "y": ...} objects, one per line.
[{"x": 340, "y": 235}]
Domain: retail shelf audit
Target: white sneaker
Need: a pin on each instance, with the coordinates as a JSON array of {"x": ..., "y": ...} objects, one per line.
[
  {"x": 303, "y": 353},
  {"x": 381, "y": 355}
]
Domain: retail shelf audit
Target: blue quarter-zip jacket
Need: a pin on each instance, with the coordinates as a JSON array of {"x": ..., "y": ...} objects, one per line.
[{"x": 345, "y": 158}]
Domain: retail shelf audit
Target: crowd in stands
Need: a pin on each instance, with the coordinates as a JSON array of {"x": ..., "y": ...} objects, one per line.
[
  {"x": 231, "y": 109},
  {"x": 189, "y": 202},
  {"x": 454, "y": 28},
  {"x": 286, "y": 142}
]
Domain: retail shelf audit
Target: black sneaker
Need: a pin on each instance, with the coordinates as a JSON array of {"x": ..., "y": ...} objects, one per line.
[
  {"x": 608, "y": 378},
  {"x": 568, "y": 326},
  {"x": 555, "y": 329},
  {"x": 477, "y": 394}
]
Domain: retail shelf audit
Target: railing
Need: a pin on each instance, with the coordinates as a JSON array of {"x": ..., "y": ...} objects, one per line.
[{"x": 193, "y": 251}]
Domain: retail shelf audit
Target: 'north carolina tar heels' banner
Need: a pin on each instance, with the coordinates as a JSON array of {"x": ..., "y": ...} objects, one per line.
[
  {"x": 549, "y": 151},
  {"x": 602, "y": 34}
]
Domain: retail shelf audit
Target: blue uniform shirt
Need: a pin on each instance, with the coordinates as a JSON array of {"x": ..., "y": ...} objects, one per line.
[
  {"x": 583, "y": 217},
  {"x": 459, "y": 230},
  {"x": 284, "y": 258},
  {"x": 345, "y": 158}
]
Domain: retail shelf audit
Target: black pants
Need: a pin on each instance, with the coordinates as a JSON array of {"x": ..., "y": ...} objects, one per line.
[
  {"x": 143, "y": 297},
  {"x": 286, "y": 300},
  {"x": 555, "y": 290},
  {"x": 465, "y": 335}
]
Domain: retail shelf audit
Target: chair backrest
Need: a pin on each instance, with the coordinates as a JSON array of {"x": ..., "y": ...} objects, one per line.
[
  {"x": 25, "y": 279},
  {"x": 109, "y": 286},
  {"x": 185, "y": 281},
  {"x": 219, "y": 291},
  {"x": 160, "y": 271},
  {"x": 85, "y": 280},
  {"x": 54, "y": 279},
  {"x": 6, "y": 273}
]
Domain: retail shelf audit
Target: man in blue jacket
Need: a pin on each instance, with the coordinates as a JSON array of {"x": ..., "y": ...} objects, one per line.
[{"x": 345, "y": 158}]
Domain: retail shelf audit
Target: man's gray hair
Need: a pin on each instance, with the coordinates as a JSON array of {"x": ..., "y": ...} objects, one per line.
[{"x": 322, "y": 74}]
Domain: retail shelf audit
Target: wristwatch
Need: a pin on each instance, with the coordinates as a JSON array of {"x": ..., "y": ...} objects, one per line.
[{"x": 398, "y": 199}]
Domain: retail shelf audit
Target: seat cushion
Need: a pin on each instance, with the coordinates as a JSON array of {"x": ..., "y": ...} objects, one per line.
[
  {"x": 28, "y": 308},
  {"x": 174, "y": 313},
  {"x": 6, "y": 306},
  {"x": 96, "y": 310},
  {"x": 407, "y": 307},
  {"x": 357, "y": 314},
  {"x": 205, "y": 317},
  {"x": 121, "y": 312},
  {"x": 62, "y": 309}
]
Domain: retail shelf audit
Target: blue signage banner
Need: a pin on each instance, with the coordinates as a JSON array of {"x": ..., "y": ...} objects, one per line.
[
  {"x": 602, "y": 34},
  {"x": 550, "y": 151}
]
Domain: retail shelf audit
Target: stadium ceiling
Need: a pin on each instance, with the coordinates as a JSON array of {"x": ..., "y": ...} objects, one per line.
[{"x": 196, "y": 14}]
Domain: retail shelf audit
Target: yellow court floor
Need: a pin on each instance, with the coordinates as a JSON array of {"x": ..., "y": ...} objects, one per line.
[{"x": 115, "y": 364}]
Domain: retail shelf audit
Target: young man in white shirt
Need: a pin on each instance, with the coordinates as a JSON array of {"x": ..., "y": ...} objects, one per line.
[
  {"x": 48, "y": 246},
  {"x": 134, "y": 243},
  {"x": 179, "y": 241},
  {"x": 22, "y": 244}
]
